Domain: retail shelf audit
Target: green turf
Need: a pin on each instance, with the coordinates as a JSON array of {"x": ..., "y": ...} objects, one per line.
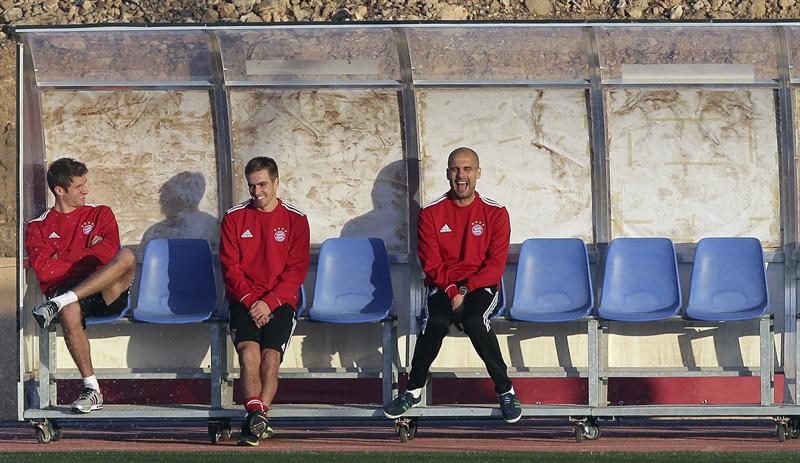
[{"x": 250, "y": 455}]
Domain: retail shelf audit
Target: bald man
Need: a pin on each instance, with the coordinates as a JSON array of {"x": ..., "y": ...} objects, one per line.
[{"x": 463, "y": 246}]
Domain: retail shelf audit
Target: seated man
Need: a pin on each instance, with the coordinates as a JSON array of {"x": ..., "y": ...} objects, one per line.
[
  {"x": 264, "y": 251},
  {"x": 463, "y": 246},
  {"x": 74, "y": 250}
]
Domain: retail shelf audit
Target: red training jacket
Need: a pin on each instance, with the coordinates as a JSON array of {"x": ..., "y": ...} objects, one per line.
[
  {"x": 264, "y": 255},
  {"x": 463, "y": 243},
  {"x": 58, "y": 244}
]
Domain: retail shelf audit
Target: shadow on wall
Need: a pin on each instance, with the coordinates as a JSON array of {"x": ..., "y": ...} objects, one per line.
[
  {"x": 387, "y": 220},
  {"x": 179, "y": 199}
]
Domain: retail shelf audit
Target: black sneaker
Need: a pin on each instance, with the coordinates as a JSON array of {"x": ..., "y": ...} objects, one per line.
[
  {"x": 401, "y": 404},
  {"x": 246, "y": 438},
  {"x": 45, "y": 313},
  {"x": 510, "y": 406},
  {"x": 258, "y": 424}
]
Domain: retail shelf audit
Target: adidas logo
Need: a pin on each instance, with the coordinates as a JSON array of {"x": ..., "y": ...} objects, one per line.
[
  {"x": 445, "y": 229},
  {"x": 247, "y": 234},
  {"x": 54, "y": 235}
]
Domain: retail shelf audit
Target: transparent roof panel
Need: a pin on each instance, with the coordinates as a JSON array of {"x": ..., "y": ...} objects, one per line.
[
  {"x": 793, "y": 43},
  {"x": 687, "y": 54},
  {"x": 341, "y": 54},
  {"x": 498, "y": 53},
  {"x": 120, "y": 56}
]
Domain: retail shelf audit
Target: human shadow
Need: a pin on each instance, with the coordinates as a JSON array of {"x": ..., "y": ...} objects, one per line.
[
  {"x": 388, "y": 220},
  {"x": 179, "y": 200}
]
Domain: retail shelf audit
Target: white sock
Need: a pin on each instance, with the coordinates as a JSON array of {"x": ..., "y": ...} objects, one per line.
[
  {"x": 91, "y": 382},
  {"x": 510, "y": 391},
  {"x": 415, "y": 392},
  {"x": 65, "y": 299}
]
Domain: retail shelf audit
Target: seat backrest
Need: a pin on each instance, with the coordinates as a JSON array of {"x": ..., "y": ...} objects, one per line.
[
  {"x": 641, "y": 280},
  {"x": 353, "y": 282},
  {"x": 729, "y": 280},
  {"x": 177, "y": 282},
  {"x": 553, "y": 281}
]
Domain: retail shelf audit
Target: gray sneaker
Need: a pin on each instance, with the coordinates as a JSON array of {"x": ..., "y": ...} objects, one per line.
[
  {"x": 45, "y": 313},
  {"x": 401, "y": 404},
  {"x": 90, "y": 399},
  {"x": 510, "y": 406}
]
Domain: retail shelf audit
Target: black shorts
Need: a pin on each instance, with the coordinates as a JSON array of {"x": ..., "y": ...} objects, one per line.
[
  {"x": 274, "y": 335},
  {"x": 94, "y": 305}
]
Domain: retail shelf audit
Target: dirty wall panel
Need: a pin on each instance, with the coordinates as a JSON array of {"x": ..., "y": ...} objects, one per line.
[
  {"x": 150, "y": 156},
  {"x": 339, "y": 155},
  {"x": 534, "y": 149},
  {"x": 692, "y": 163}
]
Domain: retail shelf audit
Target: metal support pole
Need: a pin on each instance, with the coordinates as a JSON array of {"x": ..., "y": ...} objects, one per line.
[
  {"x": 766, "y": 364},
  {"x": 593, "y": 333}
]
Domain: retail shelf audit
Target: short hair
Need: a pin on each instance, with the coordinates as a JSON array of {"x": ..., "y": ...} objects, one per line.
[
  {"x": 463, "y": 149},
  {"x": 62, "y": 171},
  {"x": 262, "y": 163}
]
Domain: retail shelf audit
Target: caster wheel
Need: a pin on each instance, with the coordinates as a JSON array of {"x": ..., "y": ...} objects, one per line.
[
  {"x": 214, "y": 433},
  {"x": 794, "y": 428},
  {"x": 591, "y": 431},
  {"x": 55, "y": 432},
  {"x": 782, "y": 431},
  {"x": 43, "y": 436},
  {"x": 226, "y": 430},
  {"x": 404, "y": 433},
  {"x": 412, "y": 429},
  {"x": 579, "y": 433}
]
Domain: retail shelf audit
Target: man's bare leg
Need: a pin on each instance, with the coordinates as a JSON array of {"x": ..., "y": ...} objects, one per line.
[
  {"x": 250, "y": 365},
  {"x": 111, "y": 280},
  {"x": 270, "y": 364},
  {"x": 76, "y": 339}
]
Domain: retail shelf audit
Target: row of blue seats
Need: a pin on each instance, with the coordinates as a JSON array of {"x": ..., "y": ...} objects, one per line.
[
  {"x": 553, "y": 282},
  {"x": 178, "y": 284},
  {"x": 640, "y": 281}
]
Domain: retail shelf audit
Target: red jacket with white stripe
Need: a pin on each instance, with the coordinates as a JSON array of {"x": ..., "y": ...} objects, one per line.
[
  {"x": 264, "y": 255},
  {"x": 463, "y": 243},
  {"x": 59, "y": 245}
]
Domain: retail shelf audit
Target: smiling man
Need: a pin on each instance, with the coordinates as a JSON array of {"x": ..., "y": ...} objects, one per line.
[
  {"x": 74, "y": 249},
  {"x": 463, "y": 246},
  {"x": 264, "y": 251}
]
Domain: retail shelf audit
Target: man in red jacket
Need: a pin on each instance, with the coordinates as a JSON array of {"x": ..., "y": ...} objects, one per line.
[
  {"x": 74, "y": 249},
  {"x": 264, "y": 251},
  {"x": 463, "y": 246}
]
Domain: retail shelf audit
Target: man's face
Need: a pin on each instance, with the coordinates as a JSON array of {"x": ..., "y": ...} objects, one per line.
[
  {"x": 463, "y": 173},
  {"x": 263, "y": 189},
  {"x": 74, "y": 196}
]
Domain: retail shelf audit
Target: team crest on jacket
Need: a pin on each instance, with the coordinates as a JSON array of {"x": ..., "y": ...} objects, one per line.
[
  {"x": 280, "y": 235},
  {"x": 87, "y": 227},
  {"x": 477, "y": 228}
]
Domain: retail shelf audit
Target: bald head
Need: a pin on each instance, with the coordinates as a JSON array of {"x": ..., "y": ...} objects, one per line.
[{"x": 464, "y": 150}]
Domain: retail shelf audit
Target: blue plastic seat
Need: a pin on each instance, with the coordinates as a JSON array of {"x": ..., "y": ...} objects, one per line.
[
  {"x": 177, "y": 283},
  {"x": 641, "y": 281},
  {"x": 729, "y": 281},
  {"x": 353, "y": 282},
  {"x": 553, "y": 282}
]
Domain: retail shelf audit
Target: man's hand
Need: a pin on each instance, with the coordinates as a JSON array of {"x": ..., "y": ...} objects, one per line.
[
  {"x": 96, "y": 240},
  {"x": 260, "y": 313},
  {"x": 457, "y": 302}
]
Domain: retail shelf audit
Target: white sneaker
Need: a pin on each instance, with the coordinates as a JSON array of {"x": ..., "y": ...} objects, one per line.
[{"x": 90, "y": 399}]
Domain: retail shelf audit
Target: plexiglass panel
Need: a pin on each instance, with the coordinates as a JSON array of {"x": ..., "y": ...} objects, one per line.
[
  {"x": 793, "y": 43},
  {"x": 150, "y": 157},
  {"x": 307, "y": 54},
  {"x": 119, "y": 56},
  {"x": 534, "y": 149},
  {"x": 339, "y": 154},
  {"x": 687, "y": 164},
  {"x": 686, "y": 54},
  {"x": 498, "y": 53}
]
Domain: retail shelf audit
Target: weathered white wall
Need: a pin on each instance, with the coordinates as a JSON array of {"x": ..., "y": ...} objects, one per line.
[
  {"x": 534, "y": 150},
  {"x": 339, "y": 153},
  {"x": 688, "y": 164}
]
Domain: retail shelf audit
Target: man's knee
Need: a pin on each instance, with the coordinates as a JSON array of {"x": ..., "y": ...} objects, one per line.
[
  {"x": 438, "y": 322},
  {"x": 474, "y": 323},
  {"x": 71, "y": 317},
  {"x": 126, "y": 258},
  {"x": 249, "y": 355}
]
